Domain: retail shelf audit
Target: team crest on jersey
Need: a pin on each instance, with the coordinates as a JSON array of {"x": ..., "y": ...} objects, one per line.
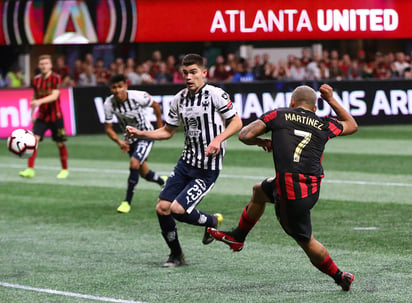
[{"x": 205, "y": 104}]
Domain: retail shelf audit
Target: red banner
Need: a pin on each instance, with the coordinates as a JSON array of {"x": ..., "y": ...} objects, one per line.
[
  {"x": 119, "y": 21},
  {"x": 272, "y": 20}
]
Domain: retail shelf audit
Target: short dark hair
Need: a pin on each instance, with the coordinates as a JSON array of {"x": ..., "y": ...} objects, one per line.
[
  {"x": 191, "y": 59},
  {"x": 117, "y": 78}
]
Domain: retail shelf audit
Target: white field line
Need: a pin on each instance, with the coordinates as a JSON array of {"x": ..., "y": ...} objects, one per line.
[
  {"x": 225, "y": 176},
  {"x": 65, "y": 293}
]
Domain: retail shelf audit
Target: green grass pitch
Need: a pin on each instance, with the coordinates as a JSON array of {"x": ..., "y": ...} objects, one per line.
[{"x": 62, "y": 240}]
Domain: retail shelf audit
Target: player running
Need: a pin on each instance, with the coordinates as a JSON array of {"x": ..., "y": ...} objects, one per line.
[
  {"x": 129, "y": 108},
  {"x": 208, "y": 118}
]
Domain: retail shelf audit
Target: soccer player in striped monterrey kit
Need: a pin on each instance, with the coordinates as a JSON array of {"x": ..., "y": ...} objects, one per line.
[
  {"x": 129, "y": 108},
  {"x": 297, "y": 142},
  {"x": 204, "y": 110},
  {"x": 50, "y": 116}
]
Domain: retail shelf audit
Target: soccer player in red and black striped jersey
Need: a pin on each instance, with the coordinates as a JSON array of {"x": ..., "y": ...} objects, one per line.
[
  {"x": 297, "y": 142},
  {"x": 50, "y": 116}
]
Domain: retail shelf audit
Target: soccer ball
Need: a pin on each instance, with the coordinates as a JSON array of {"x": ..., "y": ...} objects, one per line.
[{"x": 22, "y": 143}]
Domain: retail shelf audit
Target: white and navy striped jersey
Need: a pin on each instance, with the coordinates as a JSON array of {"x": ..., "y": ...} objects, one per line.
[
  {"x": 203, "y": 116},
  {"x": 131, "y": 111}
]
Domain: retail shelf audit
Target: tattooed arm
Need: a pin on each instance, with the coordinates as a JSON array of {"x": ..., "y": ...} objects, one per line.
[{"x": 250, "y": 135}]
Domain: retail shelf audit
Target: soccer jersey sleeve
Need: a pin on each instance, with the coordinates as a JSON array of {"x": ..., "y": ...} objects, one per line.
[
  {"x": 108, "y": 111},
  {"x": 172, "y": 117},
  {"x": 223, "y": 103},
  {"x": 334, "y": 126}
]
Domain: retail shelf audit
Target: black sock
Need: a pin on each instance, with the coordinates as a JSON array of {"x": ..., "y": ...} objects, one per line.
[
  {"x": 197, "y": 217},
  {"x": 153, "y": 177},
  {"x": 131, "y": 184},
  {"x": 169, "y": 233}
]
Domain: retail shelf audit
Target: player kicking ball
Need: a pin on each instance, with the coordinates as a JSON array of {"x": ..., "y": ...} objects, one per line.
[{"x": 298, "y": 139}]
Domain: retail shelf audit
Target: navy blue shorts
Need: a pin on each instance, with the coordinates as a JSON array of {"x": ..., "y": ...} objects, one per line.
[
  {"x": 140, "y": 149},
  {"x": 188, "y": 185},
  {"x": 293, "y": 215},
  {"x": 56, "y": 127}
]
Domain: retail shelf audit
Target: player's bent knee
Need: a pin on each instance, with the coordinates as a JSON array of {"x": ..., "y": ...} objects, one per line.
[{"x": 163, "y": 207}]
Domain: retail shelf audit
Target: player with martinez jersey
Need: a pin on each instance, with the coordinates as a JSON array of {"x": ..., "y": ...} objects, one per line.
[
  {"x": 208, "y": 117},
  {"x": 129, "y": 108},
  {"x": 298, "y": 138}
]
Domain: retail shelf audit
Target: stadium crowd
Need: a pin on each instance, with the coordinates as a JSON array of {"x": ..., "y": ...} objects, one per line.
[{"x": 328, "y": 65}]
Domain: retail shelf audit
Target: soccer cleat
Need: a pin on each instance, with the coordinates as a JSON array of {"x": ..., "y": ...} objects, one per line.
[
  {"x": 174, "y": 261},
  {"x": 226, "y": 238},
  {"x": 63, "y": 174},
  {"x": 346, "y": 281},
  {"x": 124, "y": 207},
  {"x": 207, "y": 238},
  {"x": 164, "y": 178},
  {"x": 27, "y": 173}
]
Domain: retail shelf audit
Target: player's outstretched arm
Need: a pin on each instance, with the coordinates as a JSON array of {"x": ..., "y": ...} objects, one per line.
[
  {"x": 250, "y": 135},
  {"x": 235, "y": 124},
  {"x": 163, "y": 133},
  {"x": 349, "y": 124}
]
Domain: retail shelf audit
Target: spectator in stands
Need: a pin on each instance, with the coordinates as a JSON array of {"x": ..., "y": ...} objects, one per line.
[
  {"x": 258, "y": 69},
  {"x": 354, "y": 71},
  {"x": 87, "y": 78},
  {"x": 381, "y": 72},
  {"x": 157, "y": 58},
  {"x": 305, "y": 59},
  {"x": 62, "y": 69},
  {"x": 102, "y": 74},
  {"x": 367, "y": 69},
  {"x": 345, "y": 64},
  {"x": 297, "y": 71},
  {"x": 281, "y": 71},
  {"x": 178, "y": 76},
  {"x": 231, "y": 62},
  {"x": 89, "y": 59},
  {"x": 243, "y": 73},
  {"x": 326, "y": 57},
  {"x": 401, "y": 64},
  {"x": 335, "y": 71},
  {"x": 77, "y": 70},
  {"x": 142, "y": 71},
  {"x": 323, "y": 70},
  {"x": 15, "y": 78},
  {"x": 120, "y": 65},
  {"x": 171, "y": 64},
  {"x": 220, "y": 72},
  {"x": 312, "y": 68},
  {"x": 162, "y": 76},
  {"x": 132, "y": 78}
]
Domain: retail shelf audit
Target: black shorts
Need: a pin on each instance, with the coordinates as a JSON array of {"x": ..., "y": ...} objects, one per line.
[
  {"x": 188, "y": 185},
  {"x": 57, "y": 128},
  {"x": 293, "y": 215}
]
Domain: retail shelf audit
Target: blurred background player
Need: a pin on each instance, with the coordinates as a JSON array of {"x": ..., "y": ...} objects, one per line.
[
  {"x": 49, "y": 116},
  {"x": 298, "y": 141},
  {"x": 129, "y": 106},
  {"x": 204, "y": 110}
]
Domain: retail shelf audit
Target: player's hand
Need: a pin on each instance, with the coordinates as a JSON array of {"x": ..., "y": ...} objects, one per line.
[
  {"x": 34, "y": 103},
  {"x": 124, "y": 146},
  {"x": 266, "y": 144},
  {"x": 132, "y": 132},
  {"x": 213, "y": 148},
  {"x": 326, "y": 92}
]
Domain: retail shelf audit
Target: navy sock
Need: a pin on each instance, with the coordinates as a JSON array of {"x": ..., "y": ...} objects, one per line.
[
  {"x": 131, "y": 184},
  {"x": 197, "y": 217},
  {"x": 169, "y": 233},
  {"x": 153, "y": 177}
]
